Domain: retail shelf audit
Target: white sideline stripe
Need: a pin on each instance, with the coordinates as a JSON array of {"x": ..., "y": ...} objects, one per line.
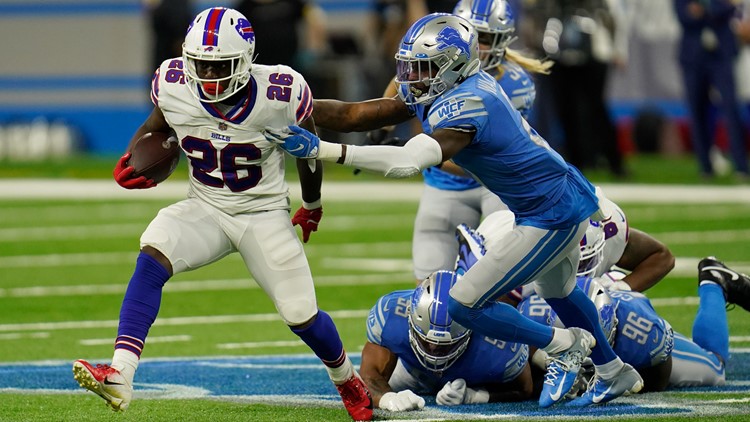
[
  {"x": 175, "y": 321},
  {"x": 392, "y": 271},
  {"x": 340, "y": 223},
  {"x": 352, "y": 191},
  {"x": 199, "y": 286},
  {"x": 151, "y": 340},
  {"x": 76, "y": 259},
  {"x": 258, "y": 344},
  {"x": 18, "y": 336}
]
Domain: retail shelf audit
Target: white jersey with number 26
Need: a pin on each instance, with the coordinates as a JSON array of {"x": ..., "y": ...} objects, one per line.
[{"x": 232, "y": 165}]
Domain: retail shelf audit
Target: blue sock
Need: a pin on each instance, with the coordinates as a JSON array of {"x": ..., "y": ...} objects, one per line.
[
  {"x": 710, "y": 328},
  {"x": 501, "y": 321},
  {"x": 577, "y": 310},
  {"x": 141, "y": 303},
  {"x": 323, "y": 338}
]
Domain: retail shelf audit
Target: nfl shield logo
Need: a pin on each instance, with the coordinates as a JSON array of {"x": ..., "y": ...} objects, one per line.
[{"x": 222, "y": 126}]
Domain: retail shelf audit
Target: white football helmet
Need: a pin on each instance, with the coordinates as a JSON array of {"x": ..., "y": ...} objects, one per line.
[
  {"x": 435, "y": 338},
  {"x": 495, "y": 23},
  {"x": 218, "y": 34},
  {"x": 592, "y": 249},
  {"x": 437, "y": 52}
]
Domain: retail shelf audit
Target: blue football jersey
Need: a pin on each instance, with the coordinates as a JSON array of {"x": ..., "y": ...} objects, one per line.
[
  {"x": 520, "y": 89},
  {"x": 508, "y": 157},
  {"x": 484, "y": 361},
  {"x": 642, "y": 338}
]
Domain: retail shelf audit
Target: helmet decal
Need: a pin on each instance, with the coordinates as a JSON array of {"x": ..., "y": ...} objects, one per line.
[
  {"x": 211, "y": 30},
  {"x": 449, "y": 37},
  {"x": 245, "y": 30}
]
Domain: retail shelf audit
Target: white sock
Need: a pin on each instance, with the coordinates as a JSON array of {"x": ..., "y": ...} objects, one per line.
[
  {"x": 610, "y": 369},
  {"x": 342, "y": 373},
  {"x": 126, "y": 362},
  {"x": 562, "y": 339}
]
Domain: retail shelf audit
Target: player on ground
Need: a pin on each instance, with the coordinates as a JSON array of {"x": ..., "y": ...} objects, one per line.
[
  {"x": 414, "y": 347},
  {"x": 217, "y": 101},
  {"x": 666, "y": 359},
  {"x": 466, "y": 117}
]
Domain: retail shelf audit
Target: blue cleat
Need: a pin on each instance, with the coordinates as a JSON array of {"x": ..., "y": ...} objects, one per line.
[
  {"x": 562, "y": 369},
  {"x": 600, "y": 391},
  {"x": 470, "y": 248}
]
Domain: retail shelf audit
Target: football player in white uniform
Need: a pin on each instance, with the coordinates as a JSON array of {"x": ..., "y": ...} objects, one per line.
[{"x": 218, "y": 102}]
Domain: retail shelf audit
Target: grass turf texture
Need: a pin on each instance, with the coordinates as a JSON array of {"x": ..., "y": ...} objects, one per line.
[{"x": 64, "y": 262}]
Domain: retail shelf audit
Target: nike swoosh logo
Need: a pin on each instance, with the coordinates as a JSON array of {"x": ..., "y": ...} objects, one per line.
[
  {"x": 299, "y": 148},
  {"x": 599, "y": 397},
  {"x": 299, "y": 96},
  {"x": 108, "y": 382},
  {"x": 557, "y": 394},
  {"x": 734, "y": 275}
]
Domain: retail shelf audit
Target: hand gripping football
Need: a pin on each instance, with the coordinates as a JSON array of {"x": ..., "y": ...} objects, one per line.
[{"x": 155, "y": 155}]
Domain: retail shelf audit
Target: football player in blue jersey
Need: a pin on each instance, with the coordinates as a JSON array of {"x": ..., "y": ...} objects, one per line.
[
  {"x": 467, "y": 118},
  {"x": 414, "y": 348},
  {"x": 450, "y": 196},
  {"x": 664, "y": 358}
]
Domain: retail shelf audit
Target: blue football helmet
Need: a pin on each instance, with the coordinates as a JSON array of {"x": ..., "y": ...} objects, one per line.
[
  {"x": 437, "y": 52},
  {"x": 436, "y": 339},
  {"x": 495, "y": 23}
]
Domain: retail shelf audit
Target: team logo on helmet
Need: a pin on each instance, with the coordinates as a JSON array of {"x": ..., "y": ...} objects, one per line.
[
  {"x": 449, "y": 37},
  {"x": 245, "y": 30}
]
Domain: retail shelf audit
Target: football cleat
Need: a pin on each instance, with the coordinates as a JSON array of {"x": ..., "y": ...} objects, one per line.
[
  {"x": 600, "y": 391},
  {"x": 562, "y": 369},
  {"x": 736, "y": 286},
  {"x": 356, "y": 398},
  {"x": 105, "y": 381},
  {"x": 470, "y": 248}
]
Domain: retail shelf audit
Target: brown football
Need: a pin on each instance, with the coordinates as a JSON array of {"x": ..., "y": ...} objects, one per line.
[{"x": 155, "y": 155}]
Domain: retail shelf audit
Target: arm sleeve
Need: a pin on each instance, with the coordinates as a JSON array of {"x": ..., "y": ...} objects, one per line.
[{"x": 419, "y": 153}]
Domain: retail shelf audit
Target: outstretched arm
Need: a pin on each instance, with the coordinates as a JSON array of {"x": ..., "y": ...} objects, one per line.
[
  {"x": 647, "y": 259},
  {"x": 417, "y": 154},
  {"x": 361, "y": 116}
]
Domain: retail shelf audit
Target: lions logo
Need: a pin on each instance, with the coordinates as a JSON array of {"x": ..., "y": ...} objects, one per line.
[{"x": 449, "y": 37}]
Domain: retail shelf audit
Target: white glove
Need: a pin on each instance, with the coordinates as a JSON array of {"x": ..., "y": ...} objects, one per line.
[
  {"x": 456, "y": 392},
  {"x": 401, "y": 401}
]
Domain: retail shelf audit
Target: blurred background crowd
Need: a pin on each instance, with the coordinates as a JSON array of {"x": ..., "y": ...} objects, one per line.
[{"x": 630, "y": 76}]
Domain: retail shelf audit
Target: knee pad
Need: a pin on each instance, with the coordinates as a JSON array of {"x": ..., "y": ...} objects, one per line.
[{"x": 297, "y": 312}]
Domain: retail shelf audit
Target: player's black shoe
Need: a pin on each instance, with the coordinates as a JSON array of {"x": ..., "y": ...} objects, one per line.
[{"x": 736, "y": 285}]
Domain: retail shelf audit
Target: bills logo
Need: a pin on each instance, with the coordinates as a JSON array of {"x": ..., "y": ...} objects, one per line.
[{"x": 245, "y": 30}]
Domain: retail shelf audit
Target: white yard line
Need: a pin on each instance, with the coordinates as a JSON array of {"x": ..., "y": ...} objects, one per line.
[{"x": 352, "y": 191}]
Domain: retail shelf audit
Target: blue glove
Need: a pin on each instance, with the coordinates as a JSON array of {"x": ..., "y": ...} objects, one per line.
[{"x": 295, "y": 140}]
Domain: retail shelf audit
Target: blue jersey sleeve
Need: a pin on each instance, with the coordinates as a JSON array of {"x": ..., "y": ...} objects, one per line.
[{"x": 392, "y": 306}]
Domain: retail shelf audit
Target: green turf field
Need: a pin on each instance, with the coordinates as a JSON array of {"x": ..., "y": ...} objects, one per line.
[{"x": 66, "y": 262}]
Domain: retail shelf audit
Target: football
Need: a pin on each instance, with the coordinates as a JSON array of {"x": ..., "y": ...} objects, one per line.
[{"x": 155, "y": 155}]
